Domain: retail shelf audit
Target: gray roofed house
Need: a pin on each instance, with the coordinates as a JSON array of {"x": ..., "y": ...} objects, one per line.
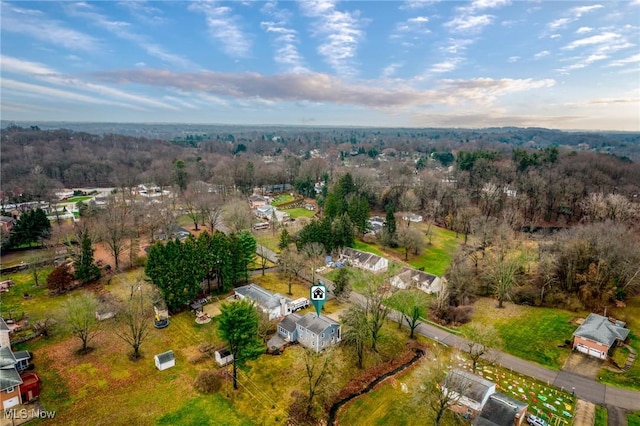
[
  {"x": 501, "y": 410},
  {"x": 272, "y": 304},
  {"x": 471, "y": 392},
  {"x": 598, "y": 334},
  {"x": 409, "y": 278},
  {"x": 365, "y": 260},
  {"x": 318, "y": 332},
  {"x": 287, "y": 327}
]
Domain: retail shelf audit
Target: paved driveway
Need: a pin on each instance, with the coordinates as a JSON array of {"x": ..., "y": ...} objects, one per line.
[{"x": 582, "y": 364}]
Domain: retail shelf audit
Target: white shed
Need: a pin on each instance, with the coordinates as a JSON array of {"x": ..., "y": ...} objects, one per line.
[
  {"x": 165, "y": 360},
  {"x": 223, "y": 357}
]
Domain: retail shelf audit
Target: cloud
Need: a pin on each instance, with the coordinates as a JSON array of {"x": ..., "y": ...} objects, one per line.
[
  {"x": 541, "y": 54},
  {"x": 286, "y": 41},
  {"x": 391, "y": 69},
  {"x": 446, "y": 66},
  {"x": 582, "y": 63},
  {"x": 35, "y": 24},
  {"x": 488, "y": 4},
  {"x": 469, "y": 24},
  {"x": 635, "y": 59},
  {"x": 224, "y": 28},
  {"x": 418, "y": 4},
  {"x": 143, "y": 12},
  {"x": 606, "y": 37},
  {"x": 584, "y": 30},
  {"x": 513, "y": 59},
  {"x": 123, "y": 30},
  {"x": 559, "y": 23},
  {"x": 58, "y": 95},
  {"x": 342, "y": 32},
  {"x": 41, "y": 72},
  {"x": 414, "y": 28},
  {"x": 581, "y": 10},
  {"x": 323, "y": 88}
]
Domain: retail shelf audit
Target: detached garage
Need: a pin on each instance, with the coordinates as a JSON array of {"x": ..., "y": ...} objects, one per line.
[{"x": 597, "y": 335}]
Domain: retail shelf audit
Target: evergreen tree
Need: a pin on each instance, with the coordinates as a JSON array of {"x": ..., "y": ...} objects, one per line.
[
  {"x": 285, "y": 239},
  {"x": 85, "y": 270},
  {"x": 238, "y": 327},
  {"x": 31, "y": 227},
  {"x": 248, "y": 247}
]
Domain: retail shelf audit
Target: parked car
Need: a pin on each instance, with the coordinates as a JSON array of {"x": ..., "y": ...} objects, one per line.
[{"x": 536, "y": 421}]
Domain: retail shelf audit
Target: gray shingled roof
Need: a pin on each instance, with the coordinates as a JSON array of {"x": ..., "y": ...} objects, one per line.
[
  {"x": 289, "y": 323},
  {"x": 500, "y": 410},
  {"x": 260, "y": 296},
  {"x": 7, "y": 359},
  {"x": 601, "y": 329},
  {"x": 166, "y": 356},
  {"x": 9, "y": 378},
  {"x": 473, "y": 387},
  {"x": 316, "y": 324},
  {"x": 3, "y": 325},
  {"x": 364, "y": 258},
  {"x": 409, "y": 274}
]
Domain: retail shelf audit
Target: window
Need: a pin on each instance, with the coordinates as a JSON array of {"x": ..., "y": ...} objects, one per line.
[
  {"x": 11, "y": 389},
  {"x": 322, "y": 335}
]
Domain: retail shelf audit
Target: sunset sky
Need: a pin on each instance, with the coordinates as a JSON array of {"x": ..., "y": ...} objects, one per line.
[{"x": 556, "y": 64}]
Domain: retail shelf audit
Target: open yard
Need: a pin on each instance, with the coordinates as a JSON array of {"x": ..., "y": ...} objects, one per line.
[
  {"x": 535, "y": 334},
  {"x": 300, "y": 212},
  {"x": 281, "y": 199},
  {"x": 401, "y": 400}
]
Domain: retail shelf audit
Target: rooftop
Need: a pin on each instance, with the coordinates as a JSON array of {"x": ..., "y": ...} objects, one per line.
[
  {"x": 473, "y": 387},
  {"x": 262, "y": 297},
  {"x": 316, "y": 324},
  {"x": 602, "y": 329}
]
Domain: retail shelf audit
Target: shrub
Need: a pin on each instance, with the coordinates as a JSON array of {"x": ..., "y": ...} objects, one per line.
[{"x": 209, "y": 381}]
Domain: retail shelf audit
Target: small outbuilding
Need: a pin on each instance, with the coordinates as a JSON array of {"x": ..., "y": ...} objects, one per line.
[
  {"x": 223, "y": 357},
  {"x": 165, "y": 360}
]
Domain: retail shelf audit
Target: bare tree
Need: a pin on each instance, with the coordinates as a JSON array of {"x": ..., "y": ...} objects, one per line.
[
  {"x": 411, "y": 240},
  {"x": 502, "y": 276},
  {"x": 291, "y": 263},
  {"x": 377, "y": 293},
  {"x": 411, "y": 310},
  {"x": 237, "y": 215},
  {"x": 317, "y": 370},
  {"x": 79, "y": 315},
  {"x": 443, "y": 389},
  {"x": 480, "y": 342},
  {"x": 114, "y": 221},
  {"x": 135, "y": 319}
]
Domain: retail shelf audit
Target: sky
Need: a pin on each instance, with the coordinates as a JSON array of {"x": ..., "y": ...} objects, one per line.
[{"x": 558, "y": 64}]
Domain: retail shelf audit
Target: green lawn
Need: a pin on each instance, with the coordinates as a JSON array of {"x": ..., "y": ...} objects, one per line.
[
  {"x": 602, "y": 418},
  {"x": 281, "y": 199},
  {"x": 38, "y": 306},
  {"x": 633, "y": 419},
  {"x": 424, "y": 299},
  {"x": 629, "y": 379},
  {"x": 204, "y": 410},
  {"x": 300, "y": 212},
  {"x": 528, "y": 332},
  {"x": 436, "y": 257},
  {"x": 78, "y": 198},
  {"x": 268, "y": 239},
  {"x": 371, "y": 248}
]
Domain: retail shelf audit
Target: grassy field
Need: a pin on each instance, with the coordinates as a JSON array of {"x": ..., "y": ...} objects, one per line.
[
  {"x": 281, "y": 199},
  {"x": 371, "y": 248},
  {"x": 38, "y": 306},
  {"x": 633, "y": 419},
  {"x": 268, "y": 239},
  {"x": 527, "y": 332},
  {"x": 437, "y": 256},
  {"x": 78, "y": 198},
  {"x": 400, "y": 401},
  {"x": 424, "y": 299},
  {"x": 300, "y": 212},
  {"x": 602, "y": 418}
]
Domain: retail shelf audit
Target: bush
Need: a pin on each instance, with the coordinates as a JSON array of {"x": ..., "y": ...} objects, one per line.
[
  {"x": 525, "y": 295},
  {"x": 209, "y": 381}
]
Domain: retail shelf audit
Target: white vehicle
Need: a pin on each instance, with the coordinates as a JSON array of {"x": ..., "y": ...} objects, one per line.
[
  {"x": 297, "y": 304},
  {"x": 536, "y": 421}
]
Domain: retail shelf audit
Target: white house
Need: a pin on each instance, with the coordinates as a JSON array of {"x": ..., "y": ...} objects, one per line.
[
  {"x": 311, "y": 331},
  {"x": 412, "y": 217},
  {"x": 469, "y": 391},
  {"x": 364, "y": 260},
  {"x": 165, "y": 360},
  {"x": 274, "y": 305},
  {"x": 410, "y": 278}
]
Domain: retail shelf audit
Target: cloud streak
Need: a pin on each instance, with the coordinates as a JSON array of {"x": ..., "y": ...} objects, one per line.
[
  {"x": 341, "y": 33},
  {"x": 322, "y": 88},
  {"x": 224, "y": 28}
]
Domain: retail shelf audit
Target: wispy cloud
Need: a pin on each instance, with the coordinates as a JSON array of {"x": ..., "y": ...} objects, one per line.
[
  {"x": 513, "y": 59},
  {"x": 469, "y": 21},
  {"x": 37, "y": 25},
  {"x": 125, "y": 31},
  {"x": 541, "y": 54},
  {"x": 418, "y": 4},
  {"x": 315, "y": 87},
  {"x": 445, "y": 66},
  {"x": 634, "y": 59},
  {"x": 43, "y": 73},
  {"x": 144, "y": 12},
  {"x": 341, "y": 32},
  {"x": 390, "y": 70},
  {"x": 572, "y": 15},
  {"x": 224, "y": 28},
  {"x": 582, "y": 63},
  {"x": 413, "y": 28},
  {"x": 286, "y": 41},
  {"x": 606, "y": 37},
  {"x": 584, "y": 30},
  {"x": 581, "y": 10}
]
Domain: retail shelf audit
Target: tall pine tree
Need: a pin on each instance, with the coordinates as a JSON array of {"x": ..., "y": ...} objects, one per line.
[{"x": 85, "y": 270}]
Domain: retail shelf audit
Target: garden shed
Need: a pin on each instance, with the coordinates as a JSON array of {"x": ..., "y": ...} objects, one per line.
[{"x": 165, "y": 360}]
